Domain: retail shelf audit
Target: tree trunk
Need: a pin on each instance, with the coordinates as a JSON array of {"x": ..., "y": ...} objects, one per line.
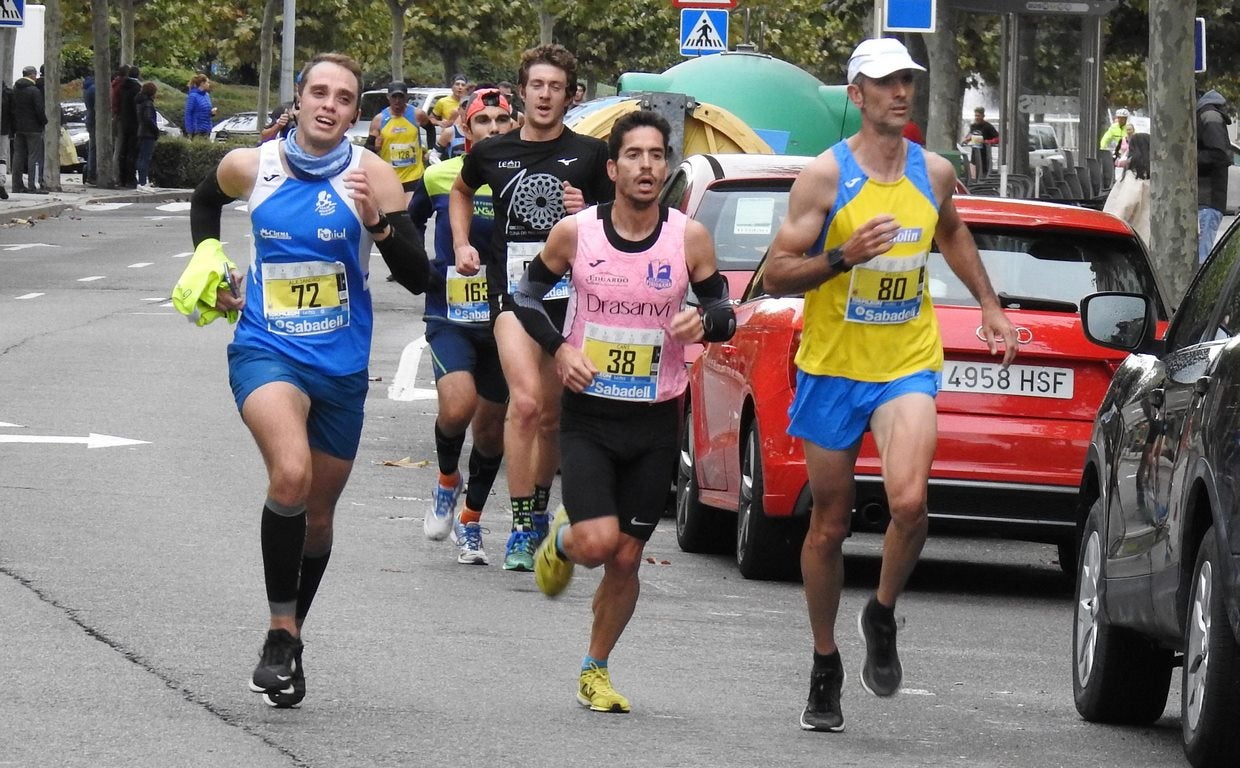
[
  {"x": 921, "y": 104},
  {"x": 546, "y": 22},
  {"x": 127, "y": 14},
  {"x": 398, "y": 44},
  {"x": 53, "y": 21},
  {"x": 1173, "y": 184},
  {"x": 264, "y": 65},
  {"x": 397, "y": 8},
  {"x": 942, "y": 52},
  {"x": 105, "y": 163}
]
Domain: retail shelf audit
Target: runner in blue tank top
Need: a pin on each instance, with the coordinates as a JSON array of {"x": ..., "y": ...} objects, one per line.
[{"x": 297, "y": 364}]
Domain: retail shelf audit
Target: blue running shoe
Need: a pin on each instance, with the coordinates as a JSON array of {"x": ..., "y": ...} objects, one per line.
[
  {"x": 542, "y": 523},
  {"x": 519, "y": 554},
  {"x": 472, "y": 552},
  {"x": 438, "y": 523}
]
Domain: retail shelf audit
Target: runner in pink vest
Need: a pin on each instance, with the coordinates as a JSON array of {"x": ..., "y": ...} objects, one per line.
[{"x": 623, "y": 368}]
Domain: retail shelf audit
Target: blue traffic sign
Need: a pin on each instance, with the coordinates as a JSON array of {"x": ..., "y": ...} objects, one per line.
[
  {"x": 908, "y": 15},
  {"x": 1199, "y": 44},
  {"x": 12, "y": 13},
  {"x": 703, "y": 31}
]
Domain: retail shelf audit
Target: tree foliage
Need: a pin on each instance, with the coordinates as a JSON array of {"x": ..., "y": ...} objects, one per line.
[{"x": 484, "y": 38}]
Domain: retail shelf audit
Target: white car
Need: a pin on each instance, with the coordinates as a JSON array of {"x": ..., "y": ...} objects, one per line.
[
  {"x": 243, "y": 125},
  {"x": 374, "y": 101},
  {"x": 73, "y": 117}
]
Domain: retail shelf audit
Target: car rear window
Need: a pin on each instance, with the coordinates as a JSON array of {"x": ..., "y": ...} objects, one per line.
[
  {"x": 1047, "y": 271},
  {"x": 372, "y": 103},
  {"x": 742, "y": 220}
]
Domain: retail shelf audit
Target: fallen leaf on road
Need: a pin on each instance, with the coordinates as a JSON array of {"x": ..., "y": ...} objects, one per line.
[{"x": 406, "y": 462}]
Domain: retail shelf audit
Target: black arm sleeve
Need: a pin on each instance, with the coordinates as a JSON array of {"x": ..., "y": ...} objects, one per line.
[
  {"x": 205, "y": 208},
  {"x": 403, "y": 252},
  {"x": 535, "y": 284},
  {"x": 718, "y": 317}
]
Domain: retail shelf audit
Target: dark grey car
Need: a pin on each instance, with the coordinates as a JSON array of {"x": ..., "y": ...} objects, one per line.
[{"x": 1158, "y": 579}]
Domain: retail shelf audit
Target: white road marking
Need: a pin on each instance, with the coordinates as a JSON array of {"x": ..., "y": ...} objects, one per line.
[
  {"x": 179, "y": 205},
  {"x": 164, "y": 218},
  {"x": 26, "y": 246},
  {"x": 5, "y": 424},
  {"x": 402, "y": 387},
  {"x": 156, "y": 298},
  {"x": 29, "y": 296},
  {"x": 182, "y": 255},
  {"x": 141, "y": 264},
  {"x": 91, "y": 278},
  {"x": 90, "y": 441},
  {"x": 104, "y": 206}
]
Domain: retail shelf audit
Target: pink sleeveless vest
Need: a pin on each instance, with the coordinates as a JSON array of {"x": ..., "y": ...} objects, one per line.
[{"x": 621, "y": 309}]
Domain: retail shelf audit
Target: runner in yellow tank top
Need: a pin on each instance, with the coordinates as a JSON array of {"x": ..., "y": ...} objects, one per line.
[
  {"x": 860, "y": 221},
  {"x": 395, "y": 134}
]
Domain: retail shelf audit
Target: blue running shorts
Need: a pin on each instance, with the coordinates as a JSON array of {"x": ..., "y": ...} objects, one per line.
[
  {"x": 834, "y": 412},
  {"x": 455, "y": 347},
  {"x": 337, "y": 403}
]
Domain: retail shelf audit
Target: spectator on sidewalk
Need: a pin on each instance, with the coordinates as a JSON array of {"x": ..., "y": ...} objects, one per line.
[
  {"x": 6, "y": 133},
  {"x": 1213, "y": 159},
  {"x": 28, "y": 123},
  {"x": 980, "y": 138},
  {"x": 198, "y": 107},
  {"x": 148, "y": 133}
]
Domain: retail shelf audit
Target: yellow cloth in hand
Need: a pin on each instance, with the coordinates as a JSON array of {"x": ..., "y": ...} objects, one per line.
[{"x": 195, "y": 292}]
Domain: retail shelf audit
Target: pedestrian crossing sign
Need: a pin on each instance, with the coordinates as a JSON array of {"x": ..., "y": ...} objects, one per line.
[
  {"x": 703, "y": 31},
  {"x": 12, "y": 13}
]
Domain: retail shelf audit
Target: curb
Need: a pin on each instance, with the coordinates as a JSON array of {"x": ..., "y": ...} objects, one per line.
[{"x": 10, "y": 213}]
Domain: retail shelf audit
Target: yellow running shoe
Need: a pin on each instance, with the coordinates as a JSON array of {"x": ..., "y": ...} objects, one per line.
[
  {"x": 594, "y": 691},
  {"x": 552, "y": 572}
]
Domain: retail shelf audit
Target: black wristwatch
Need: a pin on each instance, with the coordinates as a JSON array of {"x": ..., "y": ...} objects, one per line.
[
  {"x": 835, "y": 260},
  {"x": 379, "y": 226}
]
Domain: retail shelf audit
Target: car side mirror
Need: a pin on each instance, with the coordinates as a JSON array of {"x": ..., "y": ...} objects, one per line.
[{"x": 1123, "y": 321}]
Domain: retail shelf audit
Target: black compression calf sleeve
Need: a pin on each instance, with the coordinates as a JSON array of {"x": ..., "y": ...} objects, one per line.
[
  {"x": 283, "y": 537},
  {"x": 482, "y": 472},
  {"x": 448, "y": 449},
  {"x": 312, "y": 569}
]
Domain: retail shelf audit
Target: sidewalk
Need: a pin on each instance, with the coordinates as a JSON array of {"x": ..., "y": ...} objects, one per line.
[{"x": 74, "y": 194}]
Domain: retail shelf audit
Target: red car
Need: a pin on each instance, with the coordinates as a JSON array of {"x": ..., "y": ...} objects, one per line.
[
  {"x": 1011, "y": 444},
  {"x": 741, "y": 200}
]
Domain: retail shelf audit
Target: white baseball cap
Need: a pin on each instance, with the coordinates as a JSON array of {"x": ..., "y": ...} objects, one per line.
[{"x": 879, "y": 58}]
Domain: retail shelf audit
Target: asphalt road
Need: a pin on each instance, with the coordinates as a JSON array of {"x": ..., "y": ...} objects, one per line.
[{"x": 131, "y": 605}]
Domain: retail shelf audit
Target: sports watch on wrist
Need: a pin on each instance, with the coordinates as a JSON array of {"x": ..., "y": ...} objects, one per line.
[
  {"x": 379, "y": 225},
  {"x": 835, "y": 260}
]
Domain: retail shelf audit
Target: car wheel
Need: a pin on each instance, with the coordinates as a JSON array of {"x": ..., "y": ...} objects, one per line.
[
  {"x": 698, "y": 527},
  {"x": 1117, "y": 675},
  {"x": 766, "y": 548},
  {"x": 1210, "y": 697}
]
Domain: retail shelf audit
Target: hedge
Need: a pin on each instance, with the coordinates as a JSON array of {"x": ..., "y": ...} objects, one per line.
[{"x": 182, "y": 163}]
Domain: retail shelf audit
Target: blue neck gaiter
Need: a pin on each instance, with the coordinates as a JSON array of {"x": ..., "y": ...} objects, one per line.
[{"x": 308, "y": 167}]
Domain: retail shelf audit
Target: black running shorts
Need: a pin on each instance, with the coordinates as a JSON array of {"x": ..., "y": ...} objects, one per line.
[{"x": 618, "y": 459}]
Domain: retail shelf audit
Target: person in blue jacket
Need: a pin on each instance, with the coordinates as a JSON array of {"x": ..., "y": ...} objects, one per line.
[{"x": 198, "y": 108}]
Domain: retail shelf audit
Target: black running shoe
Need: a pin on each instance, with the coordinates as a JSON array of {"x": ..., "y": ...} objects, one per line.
[
  {"x": 278, "y": 664},
  {"x": 881, "y": 672},
  {"x": 822, "y": 710},
  {"x": 289, "y": 697}
]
